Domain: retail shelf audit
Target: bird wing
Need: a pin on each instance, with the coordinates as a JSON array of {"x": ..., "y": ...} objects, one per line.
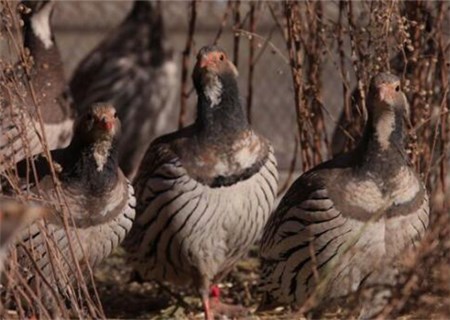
[
  {"x": 53, "y": 248},
  {"x": 21, "y": 133},
  {"x": 159, "y": 172},
  {"x": 21, "y": 136}
]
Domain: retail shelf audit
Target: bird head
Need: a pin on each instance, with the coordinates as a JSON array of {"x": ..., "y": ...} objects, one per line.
[
  {"x": 99, "y": 123},
  {"x": 214, "y": 60},
  {"x": 388, "y": 110},
  {"x": 212, "y": 70},
  {"x": 385, "y": 95}
]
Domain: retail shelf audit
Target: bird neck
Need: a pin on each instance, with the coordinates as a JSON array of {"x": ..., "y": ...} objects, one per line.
[
  {"x": 219, "y": 111},
  {"x": 383, "y": 142},
  {"x": 93, "y": 165},
  {"x": 143, "y": 11},
  {"x": 39, "y": 39},
  {"x": 148, "y": 15}
]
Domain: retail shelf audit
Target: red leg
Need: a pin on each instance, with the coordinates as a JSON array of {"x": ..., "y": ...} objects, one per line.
[
  {"x": 231, "y": 311},
  {"x": 215, "y": 292},
  {"x": 206, "y": 307}
]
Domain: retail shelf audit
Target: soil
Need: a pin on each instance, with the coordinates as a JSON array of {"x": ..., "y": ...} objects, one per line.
[{"x": 125, "y": 296}]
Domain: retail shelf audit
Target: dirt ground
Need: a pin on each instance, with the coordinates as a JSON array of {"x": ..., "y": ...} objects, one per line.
[{"x": 425, "y": 293}]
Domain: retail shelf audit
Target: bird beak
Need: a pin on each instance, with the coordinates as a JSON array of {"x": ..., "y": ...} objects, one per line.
[
  {"x": 106, "y": 124},
  {"x": 385, "y": 93},
  {"x": 204, "y": 63}
]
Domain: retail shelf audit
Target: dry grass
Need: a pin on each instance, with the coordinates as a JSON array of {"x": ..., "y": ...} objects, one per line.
[{"x": 410, "y": 39}]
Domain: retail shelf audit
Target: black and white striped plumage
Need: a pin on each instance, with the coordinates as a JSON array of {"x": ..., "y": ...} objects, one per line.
[
  {"x": 15, "y": 216},
  {"x": 350, "y": 217},
  {"x": 205, "y": 192},
  {"x": 99, "y": 198},
  {"x": 134, "y": 70},
  {"x": 20, "y": 130}
]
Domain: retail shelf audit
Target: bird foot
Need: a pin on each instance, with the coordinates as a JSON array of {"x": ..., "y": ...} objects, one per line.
[
  {"x": 224, "y": 309},
  {"x": 219, "y": 308}
]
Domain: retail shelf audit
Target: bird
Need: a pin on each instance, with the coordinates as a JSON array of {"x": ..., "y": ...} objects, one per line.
[
  {"x": 342, "y": 224},
  {"x": 100, "y": 203},
  {"x": 134, "y": 69},
  {"x": 15, "y": 216},
  {"x": 204, "y": 192},
  {"x": 37, "y": 82},
  {"x": 349, "y": 126}
]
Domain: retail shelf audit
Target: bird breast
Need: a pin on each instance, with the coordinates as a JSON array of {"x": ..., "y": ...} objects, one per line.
[
  {"x": 223, "y": 160},
  {"x": 86, "y": 209},
  {"x": 191, "y": 230},
  {"x": 364, "y": 199}
]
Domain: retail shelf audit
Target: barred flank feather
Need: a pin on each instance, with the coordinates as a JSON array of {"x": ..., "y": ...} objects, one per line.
[{"x": 185, "y": 228}]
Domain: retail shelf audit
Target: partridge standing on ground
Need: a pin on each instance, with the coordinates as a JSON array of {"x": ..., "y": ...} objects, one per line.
[
  {"x": 15, "y": 216},
  {"x": 348, "y": 218},
  {"x": 204, "y": 192},
  {"x": 134, "y": 70},
  {"x": 20, "y": 130},
  {"x": 99, "y": 198}
]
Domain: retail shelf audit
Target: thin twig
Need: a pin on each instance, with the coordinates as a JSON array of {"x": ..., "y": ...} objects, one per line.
[
  {"x": 236, "y": 25},
  {"x": 251, "y": 63},
  {"x": 223, "y": 22},
  {"x": 185, "y": 64}
]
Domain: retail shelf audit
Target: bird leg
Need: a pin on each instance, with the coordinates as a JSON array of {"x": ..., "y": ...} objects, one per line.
[
  {"x": 218, "y": 307},
  {"x": 206, "y": 306}
]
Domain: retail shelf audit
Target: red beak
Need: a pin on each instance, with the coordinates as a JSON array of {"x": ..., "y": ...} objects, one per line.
[
  {"x": 105, "y": 124},
  {"x": 205, "y": 62},
  {"x": 385, "y": 93}
]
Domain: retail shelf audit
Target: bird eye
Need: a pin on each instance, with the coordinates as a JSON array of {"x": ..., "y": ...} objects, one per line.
[
  {"x": 221, "y": 57},
  {"x": 397, "y": 88},
  {"x": 115, "y": 115}
]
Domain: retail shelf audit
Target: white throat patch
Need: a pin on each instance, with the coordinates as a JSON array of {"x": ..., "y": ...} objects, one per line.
[
  {"x": 101, "y": 153},
  {"x": 384, "y": 129},
  {"x": 213, "y": 90},
  {"x": 40, "y": 23}
]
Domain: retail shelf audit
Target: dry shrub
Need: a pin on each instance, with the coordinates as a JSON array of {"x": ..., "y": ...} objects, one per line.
[{"x": 42, "y": 298}]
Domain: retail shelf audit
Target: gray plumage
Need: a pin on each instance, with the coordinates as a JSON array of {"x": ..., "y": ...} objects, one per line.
[
  {"x": 21, "y": 131},
  {"x": 99, "y": 198},
  {"x": 189, "y": 231},
  {"x": 134, "y": 69},
  {"x": 14, "y": 216},
  {"x": 348, "y": 218},
  {"x": 205, "y": 192}
]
